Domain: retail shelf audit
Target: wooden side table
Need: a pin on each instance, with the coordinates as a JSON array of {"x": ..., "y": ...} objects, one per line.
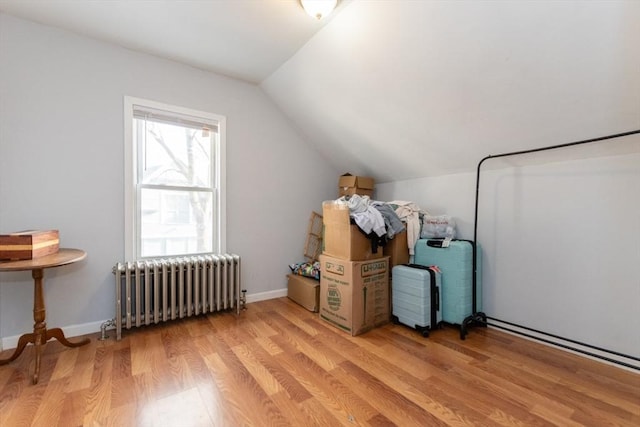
[{"x": 41, "y": 334}]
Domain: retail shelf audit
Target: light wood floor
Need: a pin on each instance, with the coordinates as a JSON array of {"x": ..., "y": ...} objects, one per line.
[{"x": 278, "y": 364}]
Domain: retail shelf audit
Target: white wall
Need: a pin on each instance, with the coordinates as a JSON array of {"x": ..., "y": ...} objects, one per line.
[
  {"x": 61, "y": 166},
  {"x": 561, "y": 238}
]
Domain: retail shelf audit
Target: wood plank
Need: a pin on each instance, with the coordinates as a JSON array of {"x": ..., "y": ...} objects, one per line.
[
  {"x": 73, "y": 408},
  {"x": 268, "y": 382},
  {"x": 391, "y": 403},
  {"x": 285, "y": 379},
  {"x": 246, "y": 389},
  {"x": 170, "y": 411},
  {"x": 328, "y": 390},
  {"x": 98, "y": 396},
  {"x": 80, "y": 379},
  {"x": 65, "y": 364}
]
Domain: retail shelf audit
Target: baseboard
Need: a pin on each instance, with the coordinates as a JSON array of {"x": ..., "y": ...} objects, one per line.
[
  {"x": 583, "y": 351},
  {"x": 263, "y": 296},
  {"x": 7, "y": 343}
]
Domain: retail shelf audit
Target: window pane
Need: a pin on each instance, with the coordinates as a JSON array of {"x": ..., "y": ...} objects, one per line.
[
  {"x": 175, "y": 155},
  {"x": 175, "y": 222}
]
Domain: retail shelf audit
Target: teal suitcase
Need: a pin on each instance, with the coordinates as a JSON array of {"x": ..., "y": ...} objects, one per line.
[{"x": 456, "y": 264}]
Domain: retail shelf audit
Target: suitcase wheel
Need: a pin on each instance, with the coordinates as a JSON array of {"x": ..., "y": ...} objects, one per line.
[
  {"x": 395, "y": 320},
  {"x": 423, "y": 330}
]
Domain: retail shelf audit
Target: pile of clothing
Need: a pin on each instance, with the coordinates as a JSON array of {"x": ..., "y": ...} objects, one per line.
[
  {"x": 309, "y": 269},
  {"x": 381, "y": 221}
]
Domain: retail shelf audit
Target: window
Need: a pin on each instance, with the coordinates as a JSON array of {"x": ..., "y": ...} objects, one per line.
[{"x": 174, "y": 178}]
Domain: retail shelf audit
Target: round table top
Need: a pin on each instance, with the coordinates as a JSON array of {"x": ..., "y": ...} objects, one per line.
[{"x": 64, "y": 256}]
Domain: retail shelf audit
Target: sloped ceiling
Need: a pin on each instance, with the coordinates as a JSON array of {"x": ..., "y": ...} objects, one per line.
[
  {"x": 408, "y": 89},
  {"x": 399, "y": 89},
  {"x": 244, "y": 39}
]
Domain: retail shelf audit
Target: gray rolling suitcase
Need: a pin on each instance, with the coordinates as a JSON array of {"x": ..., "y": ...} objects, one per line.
[
  {"x": 456, "y": 264},
  {"x": 416, "y": 297}
]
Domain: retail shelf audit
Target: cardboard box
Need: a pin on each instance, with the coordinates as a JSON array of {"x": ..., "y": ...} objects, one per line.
[
  {"x": 351, "y": 184},
  {"x": 304, "y": 290},
  {"x": 397, "y": 250},
  {"x": 354, "y": 295},
  {"x": 343, "y": 239},
  {"x": 29, "y": 244}
]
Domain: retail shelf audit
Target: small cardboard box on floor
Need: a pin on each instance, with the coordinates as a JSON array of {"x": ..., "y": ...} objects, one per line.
[
  {"x": 354, "y": 295},
  {"x": 303, "y": 290}
]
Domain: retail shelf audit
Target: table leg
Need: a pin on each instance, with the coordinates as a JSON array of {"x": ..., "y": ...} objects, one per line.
[
  {"x": 22, "y": 343},
  {"x": 40, "y": 334},
  {"x": 59, "y": 335},
  {"x": 39, "y": 315},
  {"x": 39, "y": 325}
]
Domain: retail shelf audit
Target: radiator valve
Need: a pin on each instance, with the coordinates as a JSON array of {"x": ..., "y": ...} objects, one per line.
[
  {"x": 103, "y": 329},
  {"x": 243, "y": 299}
]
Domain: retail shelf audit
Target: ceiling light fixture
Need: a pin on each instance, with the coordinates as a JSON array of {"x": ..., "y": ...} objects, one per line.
[{"x": 318, "y": 8}]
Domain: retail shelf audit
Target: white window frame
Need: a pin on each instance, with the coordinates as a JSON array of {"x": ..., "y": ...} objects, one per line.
[{"x": 131, "y": 225}]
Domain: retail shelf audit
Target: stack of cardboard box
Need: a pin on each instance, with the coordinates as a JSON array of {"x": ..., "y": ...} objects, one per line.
[
  {"x": 396, "y": 249},
  {"x": 354, "y": 280}
]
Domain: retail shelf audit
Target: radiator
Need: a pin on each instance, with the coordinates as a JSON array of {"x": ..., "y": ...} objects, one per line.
[{"x": 161, "y": 290}]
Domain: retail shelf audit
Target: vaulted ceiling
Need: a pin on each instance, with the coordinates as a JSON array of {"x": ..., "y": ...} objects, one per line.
[{"x": 399, "y": 89}]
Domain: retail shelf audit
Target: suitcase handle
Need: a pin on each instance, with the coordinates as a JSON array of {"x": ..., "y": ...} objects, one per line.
[
  {"x": 439, "y": 243},
  {"x": 437, "y": 298},
  {"x": 434, "y": 243},
  {"x": 421, "y": 267}
]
